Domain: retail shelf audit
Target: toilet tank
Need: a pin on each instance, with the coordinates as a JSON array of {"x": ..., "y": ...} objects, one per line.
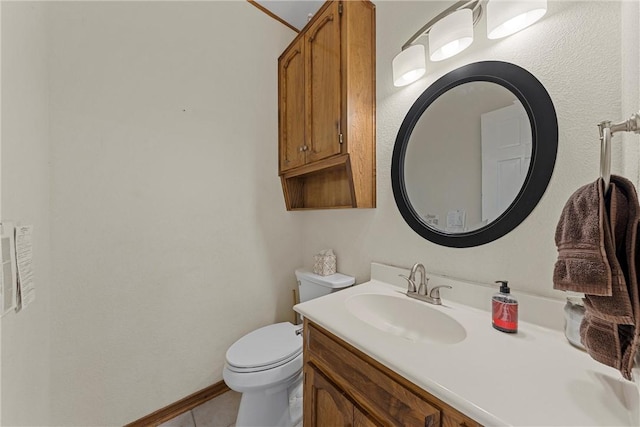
[{"x": 311, "y": 285}]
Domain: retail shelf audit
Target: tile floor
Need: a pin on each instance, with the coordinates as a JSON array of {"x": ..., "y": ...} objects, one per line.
[{"x": 218, "y": 412}]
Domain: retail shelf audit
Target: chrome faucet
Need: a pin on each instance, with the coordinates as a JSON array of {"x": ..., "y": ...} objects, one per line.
[{"x": 422, "y": 293}]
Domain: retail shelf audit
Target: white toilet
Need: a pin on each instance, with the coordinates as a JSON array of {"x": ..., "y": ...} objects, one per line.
[{"x": 266, "y": 365}]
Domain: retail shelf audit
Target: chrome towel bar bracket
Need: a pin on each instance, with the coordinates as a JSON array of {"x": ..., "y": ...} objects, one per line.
[{"x": 607, "y": 130}]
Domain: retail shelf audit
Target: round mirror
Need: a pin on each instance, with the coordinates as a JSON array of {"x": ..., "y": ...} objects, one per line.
[{"x": 474, "y": 154}]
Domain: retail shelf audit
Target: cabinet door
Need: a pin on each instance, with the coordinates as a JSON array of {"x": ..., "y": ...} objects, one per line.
[
  {"x": 324, "y": 404},
  {"x": 324, "y": 85},
  {"x": 384, "y": 398},
  {"x": 292, "y": 107},
  {"x": 360, "y": 419}
]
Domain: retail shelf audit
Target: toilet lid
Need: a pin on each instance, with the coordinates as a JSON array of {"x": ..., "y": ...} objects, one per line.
[{"x": 265, "y": 347}]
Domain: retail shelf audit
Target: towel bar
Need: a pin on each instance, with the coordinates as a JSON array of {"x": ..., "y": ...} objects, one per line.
[{"x": 607, "y": 129}]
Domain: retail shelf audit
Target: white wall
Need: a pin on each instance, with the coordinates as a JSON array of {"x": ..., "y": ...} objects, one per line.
[
  {"x": 170, "y": 235},
  {"x": 564, "y": 52},
  {"x": 25, "y": 356}
]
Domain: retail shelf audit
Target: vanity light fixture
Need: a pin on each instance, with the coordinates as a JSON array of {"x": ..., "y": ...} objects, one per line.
[
  {"x": 452, "y": 31},
  {"x": 449, "y": 33}
]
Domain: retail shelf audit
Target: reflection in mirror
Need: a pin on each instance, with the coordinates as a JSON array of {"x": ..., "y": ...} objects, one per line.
[{"x": 467, "y": 157}]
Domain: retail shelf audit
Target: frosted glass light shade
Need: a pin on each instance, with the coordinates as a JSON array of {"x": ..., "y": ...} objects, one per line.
[
  {"x": 409, "y": 65},
  {"x": 451, "y": 35},
  {"x": 505, "y": 17}
]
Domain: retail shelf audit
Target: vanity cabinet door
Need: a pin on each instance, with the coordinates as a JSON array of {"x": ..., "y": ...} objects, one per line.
[
  {"x": 360, "y": 419},
  {"x": 324, "y": 404},
  {"x": 327, "y": 405},
  {"x": 292, "y": 107}
]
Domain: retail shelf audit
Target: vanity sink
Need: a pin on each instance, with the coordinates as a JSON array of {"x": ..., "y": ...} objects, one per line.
[{"x": 406, "y": 318}]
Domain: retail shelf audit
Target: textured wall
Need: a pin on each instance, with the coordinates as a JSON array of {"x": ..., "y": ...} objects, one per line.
[
  {"x": 170, "y": 236},
  {"x": 564, "y": 52}
]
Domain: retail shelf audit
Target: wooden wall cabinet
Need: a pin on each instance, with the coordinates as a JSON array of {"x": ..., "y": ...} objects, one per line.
[
  {"x": 326, "y": 90},
  {"x": 345, "y": 387}
]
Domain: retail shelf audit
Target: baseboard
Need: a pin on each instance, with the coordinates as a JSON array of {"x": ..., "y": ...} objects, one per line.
[{"x": 181, "y": 406}]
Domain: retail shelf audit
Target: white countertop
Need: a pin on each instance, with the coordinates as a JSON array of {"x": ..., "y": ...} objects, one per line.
[{"x": 532, "y": 378}]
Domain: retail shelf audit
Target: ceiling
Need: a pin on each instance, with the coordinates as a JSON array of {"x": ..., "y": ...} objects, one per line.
[{"x": 295, "y": 13}]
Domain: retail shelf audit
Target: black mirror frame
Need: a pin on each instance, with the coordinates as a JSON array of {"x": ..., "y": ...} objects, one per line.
[{"x": 544, "y": 131}]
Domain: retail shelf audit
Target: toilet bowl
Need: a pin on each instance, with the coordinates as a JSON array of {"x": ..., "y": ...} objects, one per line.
[{"x": 266, "y": 365}]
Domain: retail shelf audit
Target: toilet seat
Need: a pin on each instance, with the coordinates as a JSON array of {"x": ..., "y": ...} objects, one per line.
[{"x": 265, "y": 348}]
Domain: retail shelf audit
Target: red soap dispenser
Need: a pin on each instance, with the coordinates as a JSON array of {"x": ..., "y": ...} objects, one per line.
[{"x": 504, "y": 309}]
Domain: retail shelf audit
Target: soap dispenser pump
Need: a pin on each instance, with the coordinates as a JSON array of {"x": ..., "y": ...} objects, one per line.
[{"x": 504, "y": 308}]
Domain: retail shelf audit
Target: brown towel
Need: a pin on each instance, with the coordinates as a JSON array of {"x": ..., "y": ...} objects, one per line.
[
  {"x": 620, "y": 239},
  {"x": 583, "y": 265},
  {"x": 609, "y": 330}
]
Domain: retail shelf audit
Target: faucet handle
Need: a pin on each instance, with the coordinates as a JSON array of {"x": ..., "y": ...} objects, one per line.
[
  {"x": 412, "y": 284},
  {"x": 435, "y": 291}
]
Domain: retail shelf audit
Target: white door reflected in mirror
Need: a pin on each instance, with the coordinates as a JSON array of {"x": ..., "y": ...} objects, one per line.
[{"x": 506, "y": 154}]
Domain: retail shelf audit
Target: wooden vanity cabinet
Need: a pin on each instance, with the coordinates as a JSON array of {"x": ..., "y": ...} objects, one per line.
[
  {"x": 345, "y": 387},
  {"x": 326, "y": 92}
]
